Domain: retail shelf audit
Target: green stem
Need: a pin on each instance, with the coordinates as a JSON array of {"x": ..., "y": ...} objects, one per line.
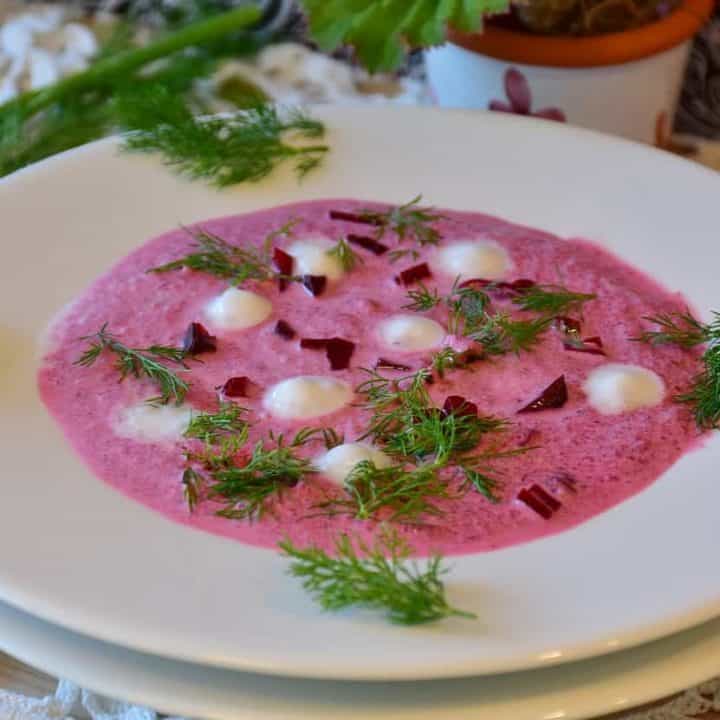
[{"x": 131, "y": 60}]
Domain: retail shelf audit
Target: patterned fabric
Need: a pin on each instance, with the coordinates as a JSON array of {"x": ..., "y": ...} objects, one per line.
[{"x": 699, "y": 109}]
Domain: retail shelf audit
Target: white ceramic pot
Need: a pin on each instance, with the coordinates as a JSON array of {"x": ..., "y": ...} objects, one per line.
[{"x": 625, "y": 83}]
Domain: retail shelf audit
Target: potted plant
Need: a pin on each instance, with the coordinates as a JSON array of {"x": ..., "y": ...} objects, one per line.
[{"x": 610, "y": 65}]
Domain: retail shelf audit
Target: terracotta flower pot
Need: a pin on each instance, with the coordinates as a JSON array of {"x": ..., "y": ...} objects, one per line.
[{"x": 624, "y": 83}]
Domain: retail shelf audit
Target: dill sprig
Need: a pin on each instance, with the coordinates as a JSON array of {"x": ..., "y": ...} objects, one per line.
[
  {"x": 422, "y": 299},
  {"x": 684, "y": 330},
  {"x": 223, "y": 150},
  {"x": 211, "y": 428},
  {"x": 409, "y": 222},
  {"x": 140, "y": 362},
  {"x": 704, "y": 395},
  {"x": 480, "y": 474},
  {"x": 407, "y": 425},
  {"x": 213, "y": 255},
  {"x": 446, "y": 359},
  {"x": 500, "y": 334},
  {"x": 552, "y": 300},
  {"x": 273, "y": 467},
  {"x": 467, "y": 307},
  {"x": 380, "y": 579},
  {"x": 345, "y": 255},
  {"x": 406, "y": 493},
  {"x": 680, "y": 329},
  {"x": 82, "y": 107}
]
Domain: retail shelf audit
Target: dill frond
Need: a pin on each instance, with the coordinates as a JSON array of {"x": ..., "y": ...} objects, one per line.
[
  {"x": 213, "y": 255},
  {"x": 680, "y": 329},
  {"x": 380, "y": 579},
  {"x": 552, "y": 300},
  {"x": 211, "y": 428},
  {"x": 140, "y": 362},
  {"x": 345, "y": 255}
]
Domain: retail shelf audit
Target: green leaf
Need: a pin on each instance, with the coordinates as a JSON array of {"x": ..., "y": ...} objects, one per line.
[{"x": 381, "y": 30}]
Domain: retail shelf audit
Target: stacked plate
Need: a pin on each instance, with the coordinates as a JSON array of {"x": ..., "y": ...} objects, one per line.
[{"x": 103, "y": 591}]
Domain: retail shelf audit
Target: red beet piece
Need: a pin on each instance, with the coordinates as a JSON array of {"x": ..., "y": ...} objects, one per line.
[
  {"x": 314, "y": 343},
  {"x": 284, "y": 264},
  {"x": 522, "y": 284},
  {"x": 458, "y": 405},
  {"x": 568, "y": 325},
  {"x": 413, "y": 274},
  {"x": 355, "y": 217},
  {"x": 314, "y": 284},
  {"x": 198, "y": 340},
  {"x": 534, "y": 504},
  {"x": 591, "y": 346},
  {"x": 545, "y": 497},
  {"x": 337, "y": 350},
  {"x": 236, "y": 387},
  {"x": 368, "y": 243},
  {"x": 284, "y": 330},
  {"x": 390, "y": 365},
  {"x": 553, "y": 396}
]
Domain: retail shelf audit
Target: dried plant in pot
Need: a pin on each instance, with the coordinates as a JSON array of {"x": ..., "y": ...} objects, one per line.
[{"x": 610, "y": 65}]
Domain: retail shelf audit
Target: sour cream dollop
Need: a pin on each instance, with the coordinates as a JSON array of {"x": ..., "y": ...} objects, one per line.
[
  {"x": 306, "y": 396},
  {"x": 149, "y": 423},
  {"x": 410, "y": 333},
  {"x": 473, "y": 259},
  {"x": 615, "y": 388},
  {"x": 338, "y": 462},
  {"x": 312, "y": 258},
  {"x": 238, "y": 309}
]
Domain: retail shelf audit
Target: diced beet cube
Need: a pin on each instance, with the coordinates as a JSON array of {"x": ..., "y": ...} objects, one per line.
[
  {"x": 314, "y": 284},
  {"x": 198, "y": 340},
  {"x": 284, "y": 330},
  {"x": 413, "y": 274},
  {"x": 554, "y": 395}
]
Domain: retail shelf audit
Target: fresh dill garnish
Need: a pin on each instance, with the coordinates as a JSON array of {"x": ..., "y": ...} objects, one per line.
[
  {"x": 409, "y": 222},
  {"x": 446, "y": 359},
  {"x": 395, "y": 255},
  {"x": 500, "y": 334},
  {"x": 193, "y": 485},
  {"x": 140, "y": 362},
  {"x": 224, "y": 150},
  {"x": 273, "y": 467},
  {"x": 467, "y": 308},
  {"x": 345, "y": 255},
  {"x": 406, "y": 424},
  {"x": 406, "y": 493},
  {"x": 482, "y": 482},
  {"x": 378, "y": 578},
  {"x": 684, "y": 330},
  {"x": 286, "y": 230},
  {"x": 85, "y": 106},
  {"x": 422, "y": 299},
  {"x": 479, "y": 472},
  {"x": 331, "y": 438},
  {"x": 211, "y": 428},
  {"x": 704, "y": 395},
  {"x": 680, "y": 329},
  {"x": 213, "y": 255},
  {"x": 551, "y": 300}
]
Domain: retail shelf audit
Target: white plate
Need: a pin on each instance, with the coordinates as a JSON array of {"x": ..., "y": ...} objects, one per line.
[
  {"x": 75, "y": 552},
  {"x": 578, "y": 690}
]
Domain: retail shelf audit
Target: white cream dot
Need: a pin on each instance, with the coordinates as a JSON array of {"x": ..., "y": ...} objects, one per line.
[
  {"x": 150, "y": 423},
  {"x": 338, "y": 462},
  {"x": 615, "y": 388},
  {"x": 312, "y": 258},
  {"x": 410, "y": 332},
  {"x": 306, "y": 396},
  {"x": 238, "y": 309},
  {"x": 473, "y": 259}
]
